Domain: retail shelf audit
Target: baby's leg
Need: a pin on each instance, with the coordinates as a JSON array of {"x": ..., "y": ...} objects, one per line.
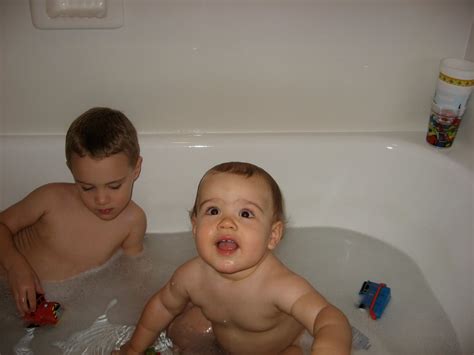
[{"x": 191, "y": 331}]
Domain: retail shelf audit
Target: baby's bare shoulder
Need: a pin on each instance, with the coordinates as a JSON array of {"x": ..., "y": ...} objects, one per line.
[
  {"x": 287, "y": 287},
  {"x": 190, "y": 269},
  {"x": 186, "y": 276},
  {"x": 292, "y": 281}
]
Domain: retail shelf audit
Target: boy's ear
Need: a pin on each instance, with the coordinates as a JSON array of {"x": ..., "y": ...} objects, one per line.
[
  {"x": 276, "y": 235},
  {"x": 138, "y": 168},
  {"x": 193, "y": 223}
]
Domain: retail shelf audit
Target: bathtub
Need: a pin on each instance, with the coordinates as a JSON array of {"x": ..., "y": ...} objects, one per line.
[{"x": 368, "y": 193}]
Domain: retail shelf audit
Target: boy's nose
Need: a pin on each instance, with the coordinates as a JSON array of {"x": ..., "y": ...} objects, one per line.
[{"x": 101, "y": 198}]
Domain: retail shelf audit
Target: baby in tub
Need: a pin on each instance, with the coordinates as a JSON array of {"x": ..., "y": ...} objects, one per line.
[
  {"x": 255, "y": 304},
  {"x": 62, "y": 229}
]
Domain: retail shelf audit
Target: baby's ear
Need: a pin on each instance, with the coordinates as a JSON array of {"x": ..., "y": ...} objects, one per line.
[{"x": 276, "y": 234}]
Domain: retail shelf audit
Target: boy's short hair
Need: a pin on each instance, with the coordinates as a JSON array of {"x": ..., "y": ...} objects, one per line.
[
  {"x": 101, "y": 132},
  {"x": 248, "y": 170}
]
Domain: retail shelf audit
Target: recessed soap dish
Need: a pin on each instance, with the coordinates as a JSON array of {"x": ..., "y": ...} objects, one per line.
[{"x": 76, "y": 14}]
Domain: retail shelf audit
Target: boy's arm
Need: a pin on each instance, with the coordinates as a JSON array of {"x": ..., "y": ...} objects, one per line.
[
  {"x": 23, "y": 281},
  {"x": 158, "y": 313},
  {"x": 133, "y": 244},
  {"x": 328, "y": 325}
]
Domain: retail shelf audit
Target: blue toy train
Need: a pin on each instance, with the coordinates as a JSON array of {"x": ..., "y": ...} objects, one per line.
[{"x": 374, "y": 297}]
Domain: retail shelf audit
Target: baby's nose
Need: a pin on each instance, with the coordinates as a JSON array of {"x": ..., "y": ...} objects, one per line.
[{"x": 227, "y": 222}]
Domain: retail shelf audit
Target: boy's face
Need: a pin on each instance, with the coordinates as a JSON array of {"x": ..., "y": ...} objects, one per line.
[
  {"x": 234, "y": 227},
  {"x": 105, "y": 185}
]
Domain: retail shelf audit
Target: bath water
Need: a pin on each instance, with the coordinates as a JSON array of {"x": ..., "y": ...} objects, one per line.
[{"x": 335, "y": 261}]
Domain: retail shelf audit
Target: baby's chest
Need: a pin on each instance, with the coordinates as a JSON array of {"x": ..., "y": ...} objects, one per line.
[{"x": 242, "y": 312}]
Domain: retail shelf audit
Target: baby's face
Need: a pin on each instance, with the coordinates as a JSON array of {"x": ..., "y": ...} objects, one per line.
[
  {"x": 105, "y": 185},
  {"x": 234, "y": 228}
]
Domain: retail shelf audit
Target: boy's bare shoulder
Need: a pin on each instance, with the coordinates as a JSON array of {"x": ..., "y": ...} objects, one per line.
[
  {"x": 55, "y": 189},
  {"x": 135, "y": 216},
  {"x": 136, "y": 211},
  {"x": 46, "y": 195}
]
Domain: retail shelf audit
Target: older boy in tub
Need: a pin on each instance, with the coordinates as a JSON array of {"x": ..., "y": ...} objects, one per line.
[
  {"x": 255, "y": 304},
  {"x": 62, "y": 229}
]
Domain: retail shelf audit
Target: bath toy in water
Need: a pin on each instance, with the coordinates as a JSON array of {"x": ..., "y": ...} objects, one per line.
[
  {"x": 374, "y": 297},
  {"x": 47, "y": 313}
]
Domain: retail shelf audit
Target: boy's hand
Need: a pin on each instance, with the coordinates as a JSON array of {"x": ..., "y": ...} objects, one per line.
[{"x": 24, "y": 284}]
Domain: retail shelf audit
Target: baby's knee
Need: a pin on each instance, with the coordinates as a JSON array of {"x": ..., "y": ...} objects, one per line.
[{"x": 293, "y": 350}]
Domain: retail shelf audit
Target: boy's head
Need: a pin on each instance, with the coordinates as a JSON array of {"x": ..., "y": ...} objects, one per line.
[
  {"x": 101, "y": 132},
  {"x": 237, "y": 217},
  {"x": 103, "y": 155},
  {"x": 247, "y": 170}
]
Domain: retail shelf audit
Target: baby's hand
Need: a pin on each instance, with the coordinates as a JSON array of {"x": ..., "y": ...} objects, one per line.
[{"x": 24, "y": 284}]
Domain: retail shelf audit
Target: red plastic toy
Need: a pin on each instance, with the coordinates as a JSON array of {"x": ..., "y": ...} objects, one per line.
[{"x": 47, "y": 313}]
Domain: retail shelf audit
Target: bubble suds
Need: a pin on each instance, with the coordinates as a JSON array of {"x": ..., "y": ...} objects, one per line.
[
  {"x": 102, "y": 337},
  {"x": 23, "y": 346},
  {"x": 131, "y": 281}
]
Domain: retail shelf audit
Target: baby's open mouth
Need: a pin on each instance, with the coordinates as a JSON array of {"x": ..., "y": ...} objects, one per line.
[{"x": 227, "y": 245}]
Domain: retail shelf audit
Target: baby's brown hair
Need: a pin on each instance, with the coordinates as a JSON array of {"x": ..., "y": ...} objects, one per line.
[
  {"x": 101, "y": 132},
  {"x": 247, "y": 170}
]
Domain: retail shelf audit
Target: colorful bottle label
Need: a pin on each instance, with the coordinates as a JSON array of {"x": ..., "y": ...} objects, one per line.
[{"x": 442, "y": 128}]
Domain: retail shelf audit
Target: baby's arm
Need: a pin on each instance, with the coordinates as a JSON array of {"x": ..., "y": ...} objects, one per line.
[
  {"x": 158, "y": 313},
  {"x": 23, "y": 281},
  {"x": 133, "y": 244},
  {"x": 328, "y": 325}
]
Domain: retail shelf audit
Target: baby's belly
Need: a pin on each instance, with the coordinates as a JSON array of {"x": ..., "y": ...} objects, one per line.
[{"x": 273, "y": 341}]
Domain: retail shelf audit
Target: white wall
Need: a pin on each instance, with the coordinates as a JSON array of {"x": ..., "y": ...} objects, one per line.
[
  {"x": 235, "y": 65},
  {"x": 467, "y": 131},
  {"x": 2, "y": 121},
  {"x": 467, "y": 139}
]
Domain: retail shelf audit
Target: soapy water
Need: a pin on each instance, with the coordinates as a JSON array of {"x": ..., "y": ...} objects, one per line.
[
  {"x": 103, "y": 337},
  {"x": 101, "y": 307},
  {"x": 130, "y": 281},
  {"x": 99, "y": 339}
]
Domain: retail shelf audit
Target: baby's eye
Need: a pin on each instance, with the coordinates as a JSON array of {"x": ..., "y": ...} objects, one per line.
[
  {"x": 115, "y": 187},
  {"x": 86, "y": 188},
  {"x": 246, "y": 214},
  {"x": 212, "y": 211}
]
